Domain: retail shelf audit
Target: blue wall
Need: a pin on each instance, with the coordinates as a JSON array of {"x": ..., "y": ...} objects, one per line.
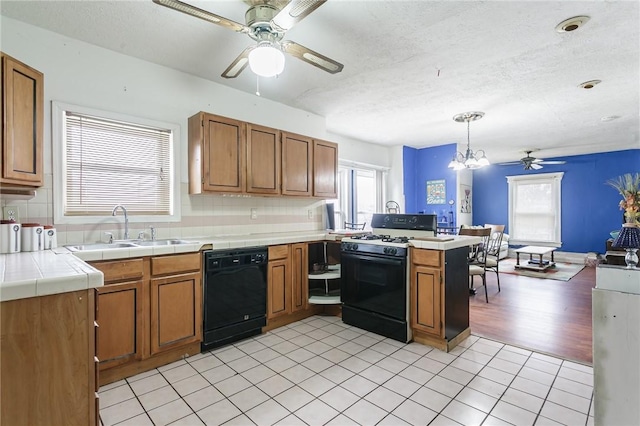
[
  {"x": 428, "y": 164},
  {"x": 589, "y": 206}
]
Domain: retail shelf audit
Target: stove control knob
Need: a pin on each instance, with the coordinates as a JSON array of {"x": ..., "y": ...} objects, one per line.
[{"x": 354, "y": 246}]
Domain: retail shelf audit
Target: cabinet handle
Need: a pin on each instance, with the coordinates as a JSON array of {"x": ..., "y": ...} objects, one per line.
[
  {"x": 95, "y": 358},
  {"x": 95, "y": 324}
]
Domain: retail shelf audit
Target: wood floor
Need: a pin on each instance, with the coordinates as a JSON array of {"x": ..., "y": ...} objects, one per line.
[{"x": 548, "y": 316}]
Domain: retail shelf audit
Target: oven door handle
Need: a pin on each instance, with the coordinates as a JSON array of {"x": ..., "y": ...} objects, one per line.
[{"x": 395, "y": 261}]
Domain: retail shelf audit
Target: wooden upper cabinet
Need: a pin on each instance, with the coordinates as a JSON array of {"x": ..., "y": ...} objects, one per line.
[
  {"x": 263, "y": 160},
  {"x": 216, "y": 154},
  {"x": 297, "y": 165},
  {"x": 22, "y": 124},
  {"x": 325, "y": 169}
]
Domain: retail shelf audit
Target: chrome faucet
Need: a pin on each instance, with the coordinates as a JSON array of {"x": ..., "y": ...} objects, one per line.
[
  {"x": 153, "y": 233},
  {"x": 126, "y": 219}
]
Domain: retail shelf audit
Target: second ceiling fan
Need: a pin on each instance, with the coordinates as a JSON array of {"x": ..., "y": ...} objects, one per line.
[
  {"x": 267, "y": 21},
  {"x": 532, "y": 163}
]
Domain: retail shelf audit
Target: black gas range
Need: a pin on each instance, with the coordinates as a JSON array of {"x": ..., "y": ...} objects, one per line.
[{"x": 375, "y": 279}]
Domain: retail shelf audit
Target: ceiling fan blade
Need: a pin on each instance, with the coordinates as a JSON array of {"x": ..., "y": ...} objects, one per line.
[
  {"x": 535, "y": 166},
  {"x": 238, "y": 64},
  {"x": 203, "y": 14},
  {"x": 311, "y": 57},
  {"x": 294, "y": 12},
  {"x": 511, "y": 163},
  {"x": 551, "y": 162}
]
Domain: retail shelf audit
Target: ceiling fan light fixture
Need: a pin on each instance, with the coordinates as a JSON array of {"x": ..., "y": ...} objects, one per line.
[
  {"x": 267, "y": 59},
  {"x": 468, "y": 160}
]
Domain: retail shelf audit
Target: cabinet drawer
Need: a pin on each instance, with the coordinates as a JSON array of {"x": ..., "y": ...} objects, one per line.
[
  {"x": 175, "y": 264},
  {"x": 278, "y": 252},
  {"x": 426, "y": 257},
  {"x": 120, "y": 270}
]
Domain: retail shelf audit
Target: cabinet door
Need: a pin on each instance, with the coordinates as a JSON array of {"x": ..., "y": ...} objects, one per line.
[
  {"x": 119, "y": 314},
  {"x": 279, "y": 288},
  {"x": 426, "y": 302},
  {"x": 176, "y": 311},
  {"x": 223, "y": 154},
  {"x": 325, "y": 169},
  {"x": 263, "y": 160},
  {"x": 23, "y": 115},
  {"x": 299, "y": 277},
  {"x": 297, "y": 165}
]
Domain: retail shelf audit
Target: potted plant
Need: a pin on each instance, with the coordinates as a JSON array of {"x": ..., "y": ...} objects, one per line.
[{"x": 628, "y": 185}]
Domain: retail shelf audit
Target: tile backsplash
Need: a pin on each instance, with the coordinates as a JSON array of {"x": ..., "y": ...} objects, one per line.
[{"x": 202, "y": 215}]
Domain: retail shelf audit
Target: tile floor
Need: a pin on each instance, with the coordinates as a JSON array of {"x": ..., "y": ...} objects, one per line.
[{"x": 320, "y": 371}]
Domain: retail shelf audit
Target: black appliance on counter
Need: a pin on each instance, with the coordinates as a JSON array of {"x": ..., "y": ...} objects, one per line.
[
  {"x": 375, "y": 279},
  {"x": 235, "y": 295}
]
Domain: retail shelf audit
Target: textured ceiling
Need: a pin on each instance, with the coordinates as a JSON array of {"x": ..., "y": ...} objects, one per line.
[{"x": 409, "y": 66}]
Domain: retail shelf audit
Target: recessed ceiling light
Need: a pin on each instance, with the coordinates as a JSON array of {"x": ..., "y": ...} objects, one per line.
[
  {"x": 610, "y": 118},
  {"x": 571, "y": 24},
  {"x": 589, "y": 84}
]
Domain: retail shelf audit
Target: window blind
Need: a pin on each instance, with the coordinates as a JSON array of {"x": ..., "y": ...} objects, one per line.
[{"x": 110, "y": 162}]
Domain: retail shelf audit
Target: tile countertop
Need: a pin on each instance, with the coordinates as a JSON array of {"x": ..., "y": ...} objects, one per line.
[{"x": 59, "y": 270}]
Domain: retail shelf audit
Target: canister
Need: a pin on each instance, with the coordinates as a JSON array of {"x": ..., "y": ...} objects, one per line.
[
  {"x": 50, "y": 237},
  {"x": 32, "y": 237},
  {"x": 10, "y": 236}
]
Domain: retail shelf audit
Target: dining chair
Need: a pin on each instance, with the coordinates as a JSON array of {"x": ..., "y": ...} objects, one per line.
[
  {"x": 477, "y": 257},
  {"x": 354, "y": 226},
  {"x": 493, "y": 251}
]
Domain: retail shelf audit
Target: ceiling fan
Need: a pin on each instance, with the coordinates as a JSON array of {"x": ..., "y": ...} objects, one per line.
[
  {"x": 267, "y": 21},
  {"x": 532, "y": 163}
]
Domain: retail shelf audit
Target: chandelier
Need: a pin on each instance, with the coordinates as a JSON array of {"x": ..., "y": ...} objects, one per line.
[{"x": 468, "y": 160}]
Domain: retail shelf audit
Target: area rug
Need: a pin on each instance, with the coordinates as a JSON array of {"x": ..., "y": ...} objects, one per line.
[{"x": 561, "y": 272}]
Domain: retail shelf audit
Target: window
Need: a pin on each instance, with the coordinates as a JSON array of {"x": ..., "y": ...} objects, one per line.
[
  {"x": 104, "y": 159},
  {"x": 534, "y": 209},
  {"x": 360, "y": 194}
]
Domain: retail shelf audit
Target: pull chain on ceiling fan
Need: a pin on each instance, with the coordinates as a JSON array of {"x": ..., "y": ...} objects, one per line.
[{"x": 266, "y": 23}]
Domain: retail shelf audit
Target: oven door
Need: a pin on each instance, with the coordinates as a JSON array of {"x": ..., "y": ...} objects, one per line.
[{"x": 375, "y": 283}]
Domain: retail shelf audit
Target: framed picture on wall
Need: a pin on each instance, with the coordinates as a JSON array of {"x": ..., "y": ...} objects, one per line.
[
  {"x": 465, "y": 199},
  {"x": 436, "y": 192}
]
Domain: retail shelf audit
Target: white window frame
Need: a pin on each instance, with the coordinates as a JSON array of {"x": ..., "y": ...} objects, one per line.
[
  {"x": 555, "y": 180},
  {"x": 347, "y": 199},
  {"x": 58, "y": 112}
]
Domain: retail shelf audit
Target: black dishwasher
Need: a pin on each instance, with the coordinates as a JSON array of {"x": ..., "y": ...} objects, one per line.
[{"x": 235, "y": 295}]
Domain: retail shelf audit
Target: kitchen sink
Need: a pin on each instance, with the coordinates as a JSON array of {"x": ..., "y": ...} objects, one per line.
[
  {"x": 168, "y": 242},
  {"x": 100, "y": 246}
]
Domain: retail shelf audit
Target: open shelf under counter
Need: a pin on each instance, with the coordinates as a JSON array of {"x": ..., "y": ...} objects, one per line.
[
  {"x": 331, "y": 274},
  {"x": 321, "y": 298}
]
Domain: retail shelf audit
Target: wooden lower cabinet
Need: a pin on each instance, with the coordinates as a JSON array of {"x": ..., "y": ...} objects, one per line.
[
  {"x": 299, "y": 277},
  {"x": 439, "y": 296},
  {"x": 149, "y": 313},
  {"x": 278, "y": 282},
  {"x": 47, "y": 373},
  {"x": 175, "y": 311}
]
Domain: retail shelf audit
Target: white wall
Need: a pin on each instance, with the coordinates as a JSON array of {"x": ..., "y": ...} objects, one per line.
[{"x": 87, "y": 75}]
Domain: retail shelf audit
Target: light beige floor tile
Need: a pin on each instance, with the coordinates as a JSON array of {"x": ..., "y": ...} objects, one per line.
[
  {"x": 317, "y": 364},
  {"x": 517, "y": 350},
  {"x": 359, "y": 385},
  {"x": 316, "y": 413},
  {"x": 300, "y": 355},
  {"x": 430, "y": 365},
  {"x": 562, "y": 414},
  {"x": 248, "y": 398},
  {"x": 391, "y": 420},
  {"x": 280, "y": 364},
  {"x": 414, "y": 413},
  {"x": 431, "y": 399},
  {"x": 496, "y": 375},
  {"x": 355, "y": 364},
  {"x": 275, "y": 385},
  {"x": 143, "y": 375},
  {"x": 418, "y": 348},
  {"x": 441, "y": 356},
  {"x": 485, "y": 349},
  {"x": 494, "y": 421},
  {"x": 365, "y": 413},
  {"x": 543, "y": 421},
  {"x": 402, "y": 386},
  {"x": 232, "y": 385},
  {"x": 569, "y": 400},
  {"x": 334, "y": 341},
  {"x": 290, "y": 420},
  {"x": 297, "y": 374},
  {"x": 190, "y": 384},
  {"x": 504, "y": 365},
  {"x": 348, "y": 334},
  {"x": 464, "y": 414},
  {"x": 531, "y": 387},
  {"x": 203, "y": 398},
  {"x": 115, "y": 395},
  {"x": 385, "y": 398},
  {"x": 522, "y": 400},
  {"x": 490, "y": 342},
  {"x": 576, "y": 376},
  {"x": 218, "y": 413},
  {"x": 342, "y": 420},
  {"x": 490, "y": 387},
  {"x": 265, "y": 355},
  {"x": 370, "y": 355},
  {"x": 334, "y": 355},
  {"x": 243, "y": 364},
  {"x": 512, "y": 414},
  {"x": 318, "y": 334},
  {"x": 250, "y": 347},
  {"x": 384, "y": 348},
  {"x": 546, "y": 358},
  {"x": 316, "y": 385},
  {"x": 475, "y": 356},
  {"x": 179, "y": 373},
  {"x": 339, "y": 398},
  {"x": 392, "y": 364},
  {"x": 417, "y": 375},
  {"x": 190, "y": 420},
  {"x": 350, "y": 347},
  {"x": 158, "y": 397},
  {"x": 467, "y": 365},
  {"x": 170, "y": 412},
  {"x": 258, "y": 374},
  {"x": 576, "y": 366},
  {"x": 205, "y": 363},
  {"x": 406, "y": 356},
  {"x": 477, "y": 399},
  {"x": 148, "y": 384},
  {"x": 294, "y": 398},
  {"x": 365, "y": 340},
  {"x": 516, "y": 358},
  {"x": 228, "y": 354},
  {"x": 337, "y": 374},
  {"x": 113, "y": 385},
  {"x": 377, "y": 374},
  {"x": 575, "y": 388},
  {"x": 120, "y": 412},
  {"x": 218, "y": 374},
  {"x": 547, "y": 367},
  {"x": 172, "y": 365},
  {"x": 139, "y": 420},
  {"x": 457, "y": 375},
  {"x": 445, "y": 386}
]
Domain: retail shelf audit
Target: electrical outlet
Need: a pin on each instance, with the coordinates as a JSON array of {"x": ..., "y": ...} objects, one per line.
[
  {"x": 10, "y": 213},
  {"x": 254, "y": 213},
  {"x": 310, "y": 214}
]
